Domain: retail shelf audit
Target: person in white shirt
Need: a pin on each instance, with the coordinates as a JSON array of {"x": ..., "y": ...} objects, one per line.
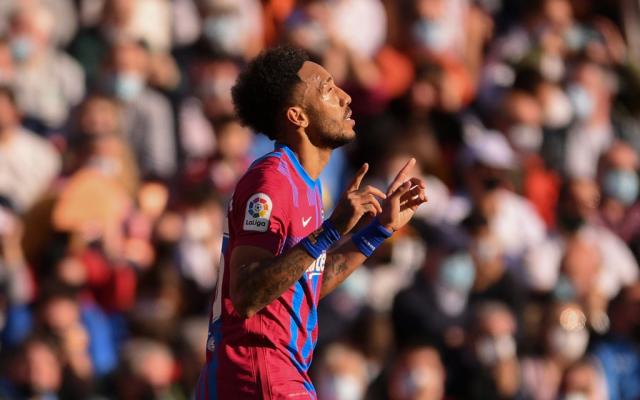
[{"x": 28, "y": 163}]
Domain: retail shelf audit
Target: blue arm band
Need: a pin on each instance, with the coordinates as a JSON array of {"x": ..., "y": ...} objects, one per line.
[
  {"x": 368, "y": 239},
  {"x": 317, "y": 245}
]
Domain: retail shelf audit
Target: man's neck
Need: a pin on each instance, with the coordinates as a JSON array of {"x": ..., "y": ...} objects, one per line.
[{"x": 313, "y": 159}]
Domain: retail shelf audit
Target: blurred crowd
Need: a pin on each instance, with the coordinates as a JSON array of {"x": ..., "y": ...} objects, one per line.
[{"x": 119, "y": 150}]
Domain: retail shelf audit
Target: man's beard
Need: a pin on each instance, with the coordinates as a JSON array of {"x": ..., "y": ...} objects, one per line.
[{"x": 330, "y": 134}]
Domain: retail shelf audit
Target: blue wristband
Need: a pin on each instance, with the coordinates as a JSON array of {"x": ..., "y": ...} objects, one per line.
[
  {"x": 368, "y": 239},
  {"x": 317, "y": 243}
]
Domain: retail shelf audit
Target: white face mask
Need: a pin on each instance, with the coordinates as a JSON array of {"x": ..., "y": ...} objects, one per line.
[
  {"x": 419, "y": 380},
  {"x": 570, "y": 345},
  {"x": 526, "y": 138},
  {"x": 558, "y": 110},
  {"x": 225, "y": 32},
  {"x": 342, "y": 387},
  {"x": 582, "y": 101},
  {"x": 490, "y": 350}
]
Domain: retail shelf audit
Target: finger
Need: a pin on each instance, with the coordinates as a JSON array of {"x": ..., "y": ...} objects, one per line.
[
  {"x": 414, "y": 192},
  {"x": 401, "y": 176},
  {"x": 369, "y": 208},
  {"x": 375, "y": 191},
  {"x": 395, "y": 198},
  {"x": 414, "y": 203},
  {"x": 374, "y": 201},
  {"x": 415, "y": 181},
  {"x": 369, "y": 199},
  {"x": 355, "y": 184}
]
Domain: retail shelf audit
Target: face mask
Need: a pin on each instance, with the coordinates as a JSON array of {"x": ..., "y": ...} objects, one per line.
[
  {"x": 21, "y": 48},
  {"x": 317, "y": 40},
  {"x": 106, "y": 165},
  {"x": 127, "y": 85},
  {"x": 197, "y": 227},
  {"x": 225, "y": 32},
  {"x": 431, "y": 34},
  {"x": 526, "y": 138},
  {"x": 457, "y": 272},
  {"x": 490, "y": 350},
  {"x": 344, "y": 387},
  {"x": 416, "y": 380},
  {"x": 558, "y": 111},
  {"x": 564, "y": 290},
  {"x": 583, "y": 103},
  {"x": 552, "y": 67},
  {"x": 570, "y": 345},
  {"x": 217, "y": 88},
  {"x": 575, "y": 38},
  {"x": 357, "y": 285},
  {"x": 575, "y": 396},
  {"x": 622, "y": 185}
]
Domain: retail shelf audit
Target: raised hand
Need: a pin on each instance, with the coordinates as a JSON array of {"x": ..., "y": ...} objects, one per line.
[
  {"x": 356, "y": 202},
  {"x": 404, "y": 195}
]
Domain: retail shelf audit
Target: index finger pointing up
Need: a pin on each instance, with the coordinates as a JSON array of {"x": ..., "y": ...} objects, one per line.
[
  {"x": 401, "y": 177},
  {"x": 355, "y": 184}
]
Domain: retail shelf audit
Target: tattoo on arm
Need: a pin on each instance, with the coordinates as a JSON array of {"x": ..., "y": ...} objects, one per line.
[
  {"x": 263, "y": 282},
  {"x": 335, "y": 265},
  {"x": 336, "y": 270}
]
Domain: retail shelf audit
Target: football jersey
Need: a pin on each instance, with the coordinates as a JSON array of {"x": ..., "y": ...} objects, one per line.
[{"x": 275, "y": 205}]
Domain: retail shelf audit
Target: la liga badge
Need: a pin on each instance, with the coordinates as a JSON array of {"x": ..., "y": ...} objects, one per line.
[{"x": 256, "y": 218}]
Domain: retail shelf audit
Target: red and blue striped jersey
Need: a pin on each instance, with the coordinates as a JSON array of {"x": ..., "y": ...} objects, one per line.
[{"x": 275, "y": 205}]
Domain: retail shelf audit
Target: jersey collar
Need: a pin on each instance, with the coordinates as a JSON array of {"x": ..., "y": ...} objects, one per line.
[{"x": 296, "y": 164}]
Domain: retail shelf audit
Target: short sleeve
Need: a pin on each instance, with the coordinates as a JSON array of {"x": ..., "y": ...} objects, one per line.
[{"x": 260, "y": 211}]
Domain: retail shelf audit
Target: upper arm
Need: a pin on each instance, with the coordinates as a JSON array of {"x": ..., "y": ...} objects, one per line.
[
  {"x": 244, "y": 259},
  {"x": 259, "y": 216}
]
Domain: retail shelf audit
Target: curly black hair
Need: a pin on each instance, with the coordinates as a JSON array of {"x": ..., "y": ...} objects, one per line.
[{"x": 265, "y": 87}]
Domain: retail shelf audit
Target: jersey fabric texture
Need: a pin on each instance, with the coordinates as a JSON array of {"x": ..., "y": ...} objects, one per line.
[{"x": 275, "y": 205}]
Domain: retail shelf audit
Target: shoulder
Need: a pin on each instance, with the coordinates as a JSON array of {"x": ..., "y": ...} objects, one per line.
[
  {"x": 265, "y": 172},
  {"x": 265, "y": 176}
]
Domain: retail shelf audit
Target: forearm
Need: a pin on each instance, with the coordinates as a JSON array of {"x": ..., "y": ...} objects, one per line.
[
  {"x": 340, "y": 263},
  {"x": 260, "y": 283}
]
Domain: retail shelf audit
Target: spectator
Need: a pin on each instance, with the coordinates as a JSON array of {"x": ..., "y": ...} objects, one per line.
[
  {"x": 148, "y": 121},
  {"x": 146, "y": 371},
  {"x": 35, "y": 369},
  {"x": 565, "y": 341},
  {"x": 47, "y": 81},
  {"x": 28, "y": 163},
  {"x": 342, "y": 373},
  {"x": 494, "y": 350},
  {"x": 417, "y": 374}
]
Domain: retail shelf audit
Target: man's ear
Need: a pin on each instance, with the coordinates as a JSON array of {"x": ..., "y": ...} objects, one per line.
[{"x": 297, "y": 116}]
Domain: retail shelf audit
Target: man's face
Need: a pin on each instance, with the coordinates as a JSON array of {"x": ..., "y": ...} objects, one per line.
[{"x": 326, "y": 106}]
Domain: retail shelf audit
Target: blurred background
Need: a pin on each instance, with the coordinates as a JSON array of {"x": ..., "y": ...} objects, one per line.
[{"x": 119, "y": 150}]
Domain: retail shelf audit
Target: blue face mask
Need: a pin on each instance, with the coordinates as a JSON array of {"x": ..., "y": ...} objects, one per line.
[
  {"x": 21, "y": 48},
  {"x": 564, "y": 290},
  {"x": 431, "y": 34},
  {"x": 224, "y": 32},
  {"x": 582, "y": 101},
  {"x": 457, "y": 272},
  {"x": 622, "y": 185},
  {"x": 127, "y": 86}
]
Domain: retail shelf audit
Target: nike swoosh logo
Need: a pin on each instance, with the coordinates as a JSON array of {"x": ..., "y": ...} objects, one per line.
[{"x": 305, "y": 222}]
